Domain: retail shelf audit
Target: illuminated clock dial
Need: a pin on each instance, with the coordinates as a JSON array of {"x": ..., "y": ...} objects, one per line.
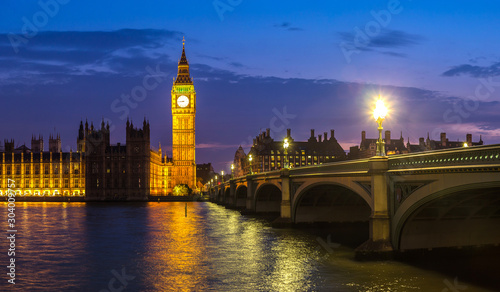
[{"x": 182, "y": 101}]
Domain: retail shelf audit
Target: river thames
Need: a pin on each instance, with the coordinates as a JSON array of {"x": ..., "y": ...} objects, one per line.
[{"x": 161, "y": 247}]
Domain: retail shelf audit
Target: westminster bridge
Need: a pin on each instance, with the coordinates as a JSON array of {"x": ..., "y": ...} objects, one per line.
[{"x": 443, "y": 198}]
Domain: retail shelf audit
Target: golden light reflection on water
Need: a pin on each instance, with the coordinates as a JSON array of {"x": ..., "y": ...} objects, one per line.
[
  {"x": 176, "y": 254},
  {"x": 193, "y": 253}
]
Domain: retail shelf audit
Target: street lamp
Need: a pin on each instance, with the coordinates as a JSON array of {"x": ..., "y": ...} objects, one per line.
[
  {"x": 222, "y": 175},
  {"x": 379, "y": 115},
  {"x": 232, "y": 170},
  {"x": 466, "y": 144},
  {"x": 250, "y": 159},
  {"x": 285, "y": 145}
]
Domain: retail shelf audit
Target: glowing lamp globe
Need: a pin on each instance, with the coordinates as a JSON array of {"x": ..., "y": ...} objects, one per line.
[{"x": 380, "y": 110}]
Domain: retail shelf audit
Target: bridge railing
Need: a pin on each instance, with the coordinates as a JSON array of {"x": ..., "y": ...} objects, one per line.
[
  {"x": 466, "y": 156},
  {"x": 347, "y": 166}
]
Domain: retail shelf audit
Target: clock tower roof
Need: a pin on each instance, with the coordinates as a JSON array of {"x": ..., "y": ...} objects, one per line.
[{"x": 183, "y": 76}]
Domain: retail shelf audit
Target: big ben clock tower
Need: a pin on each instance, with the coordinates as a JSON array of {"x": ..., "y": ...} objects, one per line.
[{"x": 183, "y": 125}]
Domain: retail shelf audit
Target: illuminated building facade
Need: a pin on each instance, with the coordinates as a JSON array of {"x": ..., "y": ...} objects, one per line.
[
  {"x": 269, "y": 155},
  {"x": 183, "y": 125},
  {"x": 36, "y": 172},
  {"x": 368, "y": 147},
  {"x": 101, "y": 171}
]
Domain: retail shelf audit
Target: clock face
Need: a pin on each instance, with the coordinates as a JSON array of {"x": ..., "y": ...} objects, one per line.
[{"x": 182, "y": 101}]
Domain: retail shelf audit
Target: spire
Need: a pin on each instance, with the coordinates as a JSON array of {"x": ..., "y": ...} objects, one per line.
[
  {"x": 183, "y": 60},
  {"x": 183, "y": 68}
]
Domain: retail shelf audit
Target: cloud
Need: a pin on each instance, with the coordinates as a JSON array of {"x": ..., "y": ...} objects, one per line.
[
  {"x": 287, "y": 26},
  {"x": 72, "y": 53},
  {"x": 394, "y": 54},
  {"x": 392, "y": 39},
  {"x": 474, "y": 71},
  {"x": 216, "y": 146},
  {"x": 236, "y": 64}
]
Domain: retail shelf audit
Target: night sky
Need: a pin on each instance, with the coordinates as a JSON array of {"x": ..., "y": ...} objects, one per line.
[{"x": 255, "y": 65}]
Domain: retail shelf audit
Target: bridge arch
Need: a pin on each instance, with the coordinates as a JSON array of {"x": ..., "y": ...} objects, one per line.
[
  {"x": 330, "y": 201},
  {"x": 453, "y": 214},
  {"x": 241, "y": 196},
  {"x": 268, "y": 197},
  {"x": 227, "y": 195}
]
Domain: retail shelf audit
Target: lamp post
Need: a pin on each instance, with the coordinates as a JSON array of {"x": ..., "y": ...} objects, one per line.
[
  {"x": 222, "y": 175},
  {"x": 250, "y": 159},
  {"x": 285, "y": 145},
  {"x": 379, "y": 115},
  {"x": 232, "y": 171}
]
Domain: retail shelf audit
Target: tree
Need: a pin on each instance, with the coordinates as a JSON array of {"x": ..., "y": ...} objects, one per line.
[{"x": 182, "y": 190}]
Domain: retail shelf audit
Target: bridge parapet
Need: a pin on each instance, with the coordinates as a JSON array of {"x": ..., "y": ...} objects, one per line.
[
  {"x": 346, "y": 167},
  {"x": 484, "y": 156}
]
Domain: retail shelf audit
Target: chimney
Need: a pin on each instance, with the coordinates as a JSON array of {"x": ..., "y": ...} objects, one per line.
[
  {"x": 388, "y": 137},
  {"x": 363, "y": 136},
  {"x": 332, "y": 134},
  {"x": 469, "y": 139},
  {"x": 312, "y": 133},
  {"x": 443, "y": 139},
  {"x": 325, "y": 135},
  {"x": 288, "y": 132},
  {"x": 268, "y": 132},
  {"x": 254, "y": 141},
  {"x": 319, "y": 138}
]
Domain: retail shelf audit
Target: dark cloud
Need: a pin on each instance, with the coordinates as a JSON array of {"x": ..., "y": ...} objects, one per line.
[
  {"x": 393, "y": 39},
  {"x": 51, "y": 54},
  {"x": 287, "y": 26},
  {"x": 236, "y": 64},
  {"x": 474, "y": 71},
  {"x": 394, "y": 54},
  {"x": 95, "y": 40}
]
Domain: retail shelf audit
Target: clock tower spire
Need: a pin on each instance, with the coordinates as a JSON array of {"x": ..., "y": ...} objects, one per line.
[{"x": 183, "y": 125}]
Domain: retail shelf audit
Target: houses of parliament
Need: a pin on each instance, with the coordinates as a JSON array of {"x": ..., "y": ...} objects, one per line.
[{"x": 100, "y": 171}]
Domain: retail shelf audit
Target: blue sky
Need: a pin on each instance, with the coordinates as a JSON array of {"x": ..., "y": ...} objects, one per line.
[{"x": 256, "y": 65}]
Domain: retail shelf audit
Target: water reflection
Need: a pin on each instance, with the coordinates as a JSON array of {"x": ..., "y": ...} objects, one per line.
[{"x": 81, "y": 247}]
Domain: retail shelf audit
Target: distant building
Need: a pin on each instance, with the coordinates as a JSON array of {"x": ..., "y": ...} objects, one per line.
[
  {"x": 204, "y": 172},
  {"x": 443, "y": 143},
  {"x": 368, "y": 147},
  {"x": 269, "y": 154},
  {"x": 240, "y": 162}
]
